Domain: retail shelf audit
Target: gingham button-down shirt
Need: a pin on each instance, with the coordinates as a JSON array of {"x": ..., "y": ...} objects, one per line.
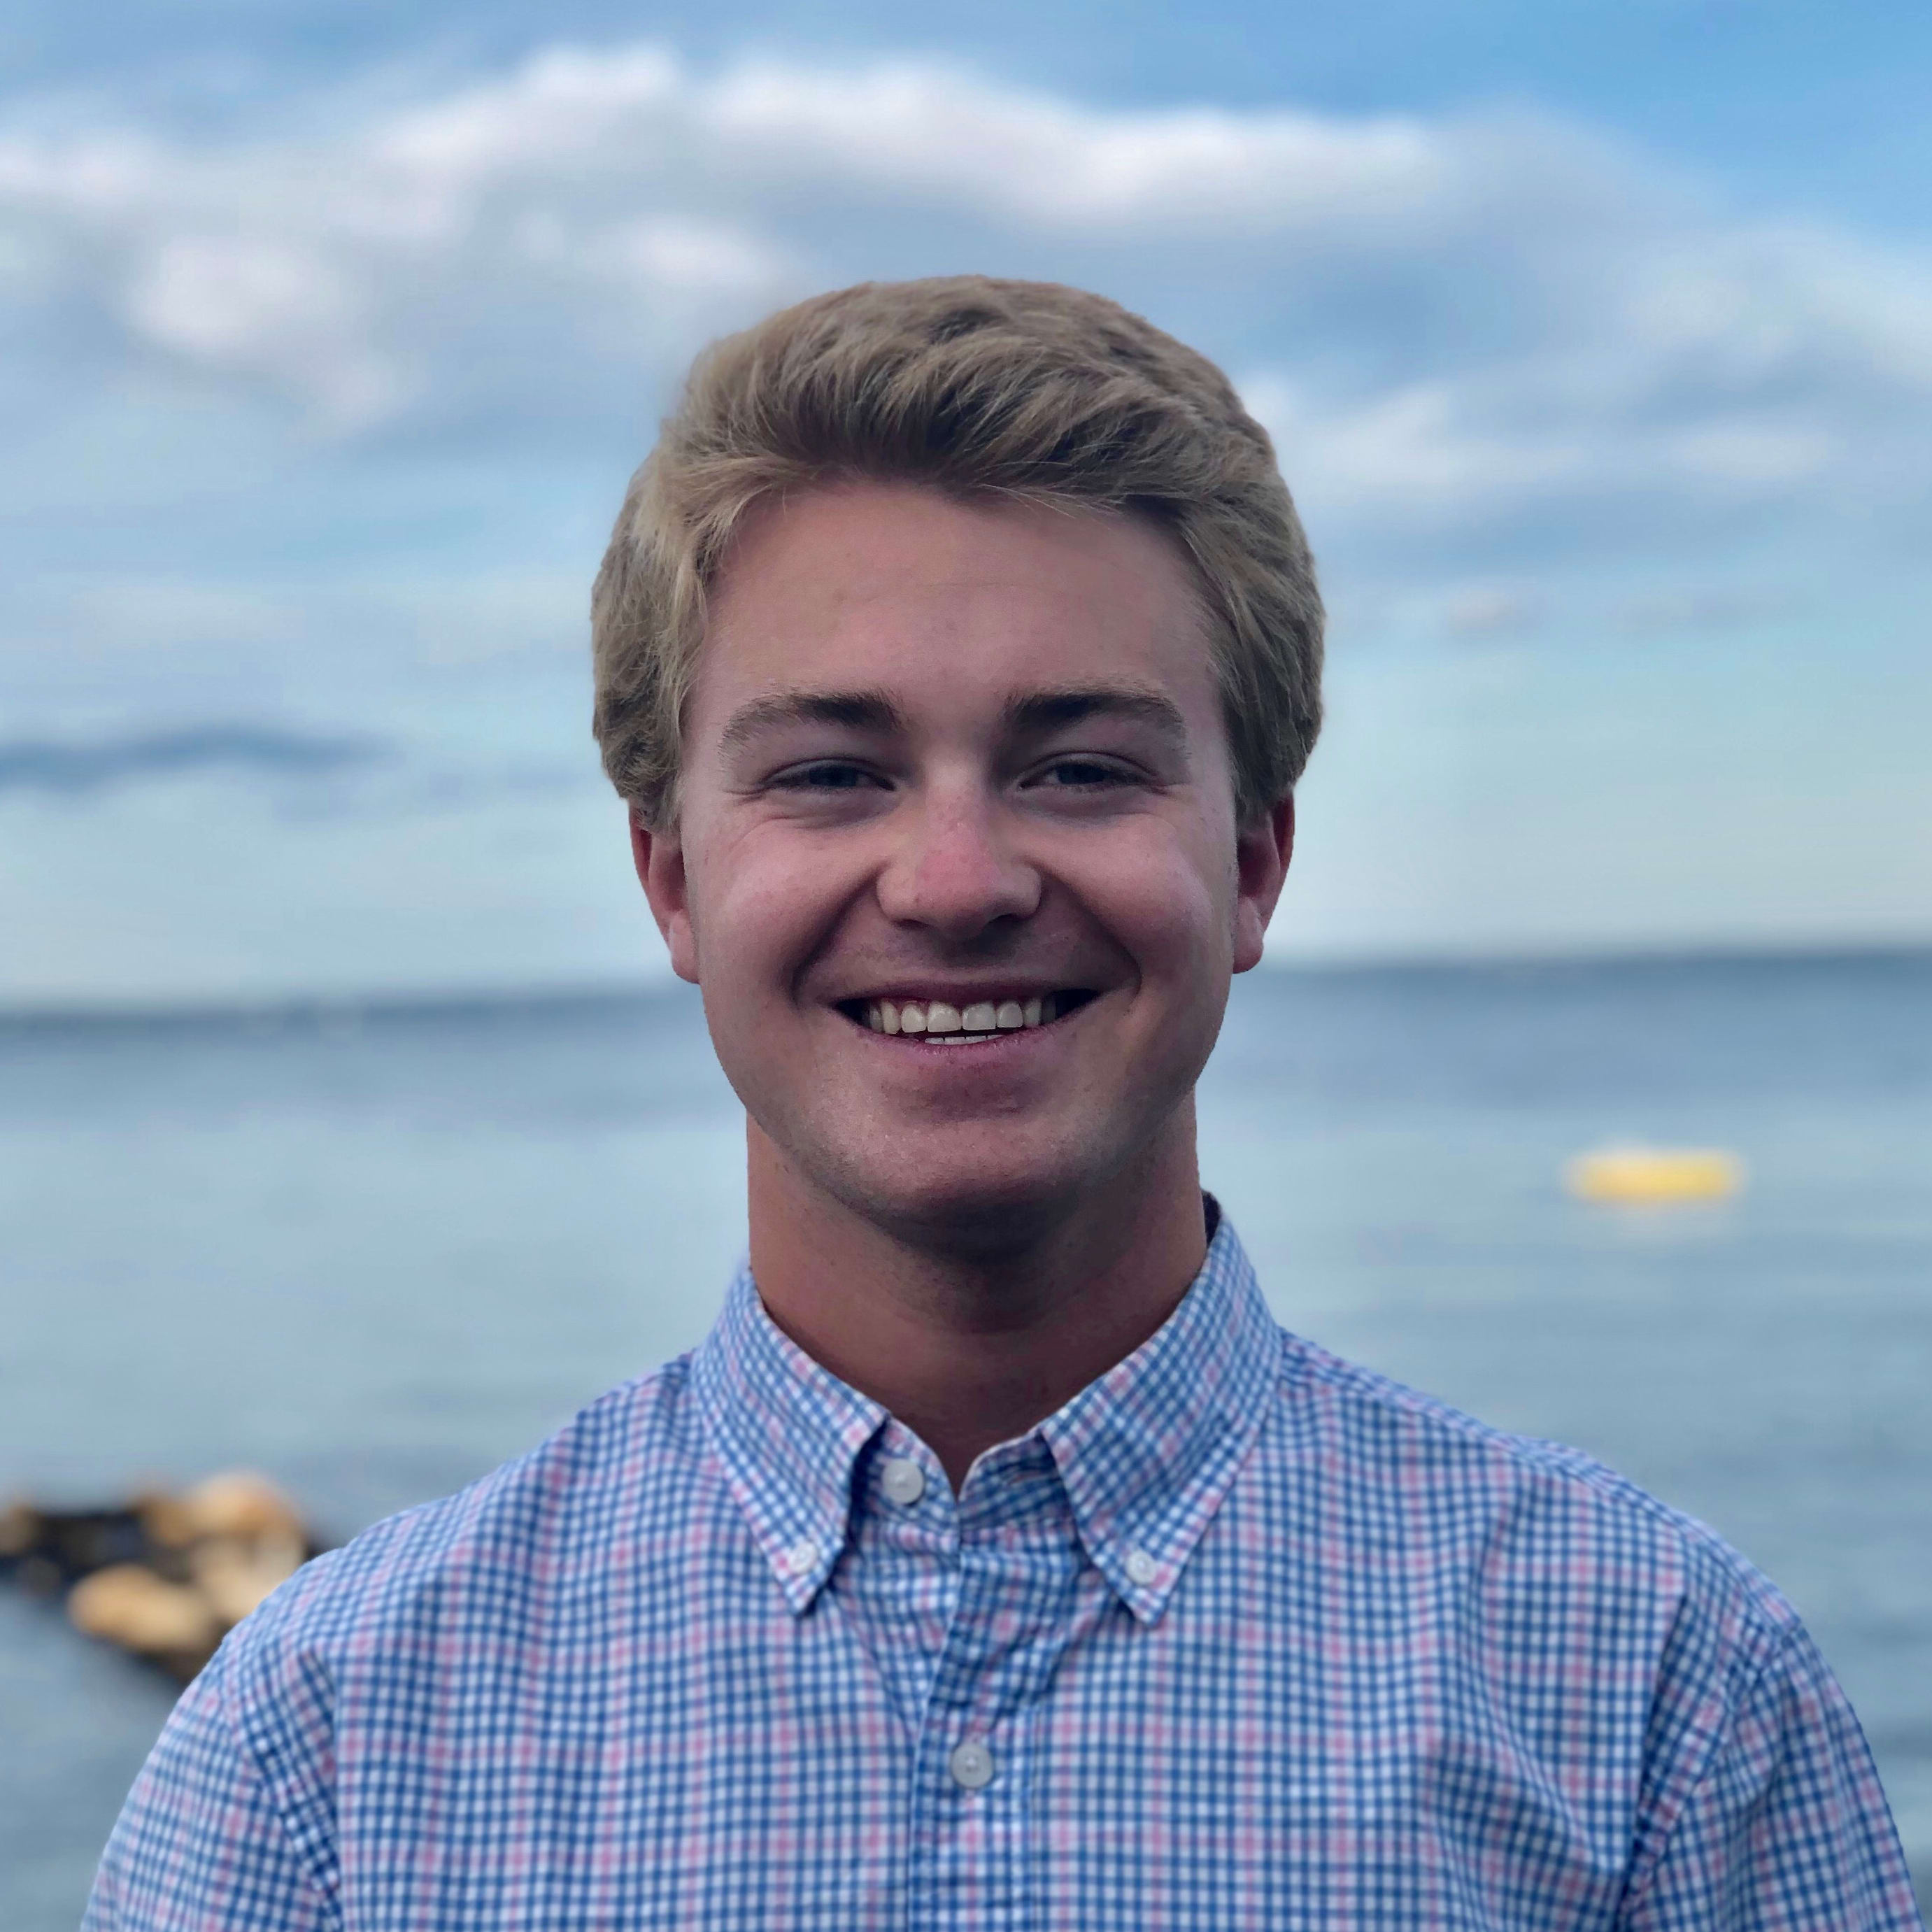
[{"x": 1242, "y": 1637}]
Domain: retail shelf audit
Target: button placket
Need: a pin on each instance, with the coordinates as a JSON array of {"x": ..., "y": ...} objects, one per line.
[{"x": 1019, "y": 1569}]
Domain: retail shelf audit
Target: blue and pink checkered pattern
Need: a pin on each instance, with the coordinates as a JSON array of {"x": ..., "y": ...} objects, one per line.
[{"x": 1242, "y": 1637}]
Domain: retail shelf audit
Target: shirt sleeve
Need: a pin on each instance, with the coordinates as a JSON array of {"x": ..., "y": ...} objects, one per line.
[
  {"x": 200, "y": 1842},
  {"x": 1786, "y": 1828}
]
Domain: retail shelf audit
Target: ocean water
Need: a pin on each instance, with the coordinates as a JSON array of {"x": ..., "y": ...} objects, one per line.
[{"x": 375, "y": 1253}]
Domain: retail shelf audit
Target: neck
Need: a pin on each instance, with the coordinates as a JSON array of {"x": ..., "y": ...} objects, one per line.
[{"x": 971, "y": 1349}]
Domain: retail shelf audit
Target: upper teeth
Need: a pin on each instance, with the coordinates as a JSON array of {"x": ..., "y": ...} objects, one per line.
[{"x": 941, "y": 1017}]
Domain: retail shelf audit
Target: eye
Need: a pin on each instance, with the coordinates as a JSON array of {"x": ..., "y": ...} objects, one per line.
[
  {"x": 1081, "y": 774},
  {"x": 825, "y": 775}
]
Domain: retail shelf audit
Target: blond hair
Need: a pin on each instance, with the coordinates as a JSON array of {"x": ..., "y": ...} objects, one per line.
[{"x": 1027, "y": 391}]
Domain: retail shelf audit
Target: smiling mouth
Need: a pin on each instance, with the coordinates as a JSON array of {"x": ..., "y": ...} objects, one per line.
[{"x": 941, "y": 1023}]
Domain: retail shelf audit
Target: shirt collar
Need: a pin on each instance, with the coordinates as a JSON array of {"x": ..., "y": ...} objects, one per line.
[
  {"x": 787, "y": 1432},
  {"x": 1146, "y": 1454}
]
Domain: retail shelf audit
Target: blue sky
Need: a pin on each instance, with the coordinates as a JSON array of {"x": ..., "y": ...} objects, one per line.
[{"x": 1597, "y": 340}]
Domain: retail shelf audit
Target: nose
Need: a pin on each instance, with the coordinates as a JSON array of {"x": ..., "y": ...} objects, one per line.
[{"x": 953, "y": 868}]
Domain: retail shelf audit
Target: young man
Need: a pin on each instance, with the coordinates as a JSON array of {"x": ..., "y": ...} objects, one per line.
[{"x": 996, "y": 1562}]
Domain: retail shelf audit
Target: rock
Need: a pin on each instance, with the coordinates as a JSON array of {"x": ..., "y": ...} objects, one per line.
[
  {"x": 234, "y": 1575},
  {"x": 242, "y": 1505},
  {"x": 164, "y": 1577},
  {"x": 127, "y": 1604}
]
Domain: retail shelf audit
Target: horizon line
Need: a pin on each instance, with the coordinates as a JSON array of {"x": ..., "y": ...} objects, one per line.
[{"x": 338, "y": 1007}]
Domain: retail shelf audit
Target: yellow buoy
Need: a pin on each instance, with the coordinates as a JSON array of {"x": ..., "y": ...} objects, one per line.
[{"x": 1638, "y": 1175}]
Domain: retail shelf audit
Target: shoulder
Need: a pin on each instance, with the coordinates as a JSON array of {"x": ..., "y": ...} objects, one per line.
[
  {"x": 450, "y": 1607},
  {"x": 1576, "y": 1633},
  {"x": 458, "y": 1606},
  {"x": 1527, "y": 1524},
  {"x": 605, "y": 1491},
  {"x": 1599, "y": 1631}
]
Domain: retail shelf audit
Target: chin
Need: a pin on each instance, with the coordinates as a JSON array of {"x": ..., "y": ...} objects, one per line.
[{"x": 957, "y": 1205}]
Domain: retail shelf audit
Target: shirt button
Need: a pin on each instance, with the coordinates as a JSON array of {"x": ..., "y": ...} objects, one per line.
[
  {"x": 903, "y": 1480},
  {"x": 801, "y": 1556},
  {"x": 971, "y": 1765},
  {"x": 1142, "y": 1568}
]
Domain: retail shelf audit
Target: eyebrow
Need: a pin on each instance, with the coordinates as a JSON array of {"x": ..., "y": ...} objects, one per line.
[
  {"x": 1034, "y": 715},
  {"x": 1045, "y": 711},
  {"x": 856, "y": 710}
]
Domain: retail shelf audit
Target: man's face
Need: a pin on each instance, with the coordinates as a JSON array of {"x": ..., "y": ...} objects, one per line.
[{"x": 964, "y": 765}]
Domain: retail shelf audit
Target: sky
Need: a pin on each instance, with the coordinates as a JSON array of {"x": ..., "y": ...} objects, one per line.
[{"x": 1596, "y": 340}]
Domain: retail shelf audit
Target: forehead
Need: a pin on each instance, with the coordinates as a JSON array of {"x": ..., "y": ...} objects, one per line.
[{"x": 874, "y": 585}]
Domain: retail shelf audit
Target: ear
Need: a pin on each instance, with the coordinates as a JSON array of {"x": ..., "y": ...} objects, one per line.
[
  {"x": 1262, "y": 853},
  {"x": 659, "y": 858}
]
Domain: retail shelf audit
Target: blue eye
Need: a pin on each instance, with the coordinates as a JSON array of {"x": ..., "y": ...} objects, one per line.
[
  {"x": 1082, "y": 774},
  {"x": 825, "y": 775}
]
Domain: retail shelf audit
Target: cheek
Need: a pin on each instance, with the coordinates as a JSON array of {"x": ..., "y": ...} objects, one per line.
[
  {"x": 1170, "y": 901},
  {"x": 759, "y": 906}
]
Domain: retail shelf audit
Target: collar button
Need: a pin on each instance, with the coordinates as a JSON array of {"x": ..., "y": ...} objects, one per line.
[{"x": 903, "y": 1480}]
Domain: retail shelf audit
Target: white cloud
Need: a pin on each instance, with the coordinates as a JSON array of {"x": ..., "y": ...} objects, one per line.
[
  {"x": 1482, "y": 610},
  {"x": 1429, "y": 449},
  {"x": 1468, "y": 316},
  {"x": 251, "y": 304},
  {"x": 938, "y": 134}
]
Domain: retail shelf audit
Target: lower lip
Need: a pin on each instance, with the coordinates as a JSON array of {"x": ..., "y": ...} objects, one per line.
[{"x": 957, "y": 1042}]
